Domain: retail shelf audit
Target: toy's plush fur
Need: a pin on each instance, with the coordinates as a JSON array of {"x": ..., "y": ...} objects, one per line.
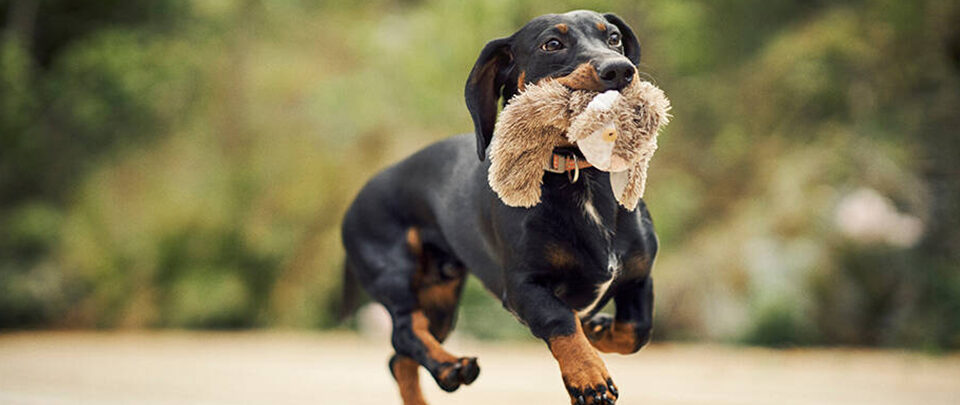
[{"x": 548, "y": 114}]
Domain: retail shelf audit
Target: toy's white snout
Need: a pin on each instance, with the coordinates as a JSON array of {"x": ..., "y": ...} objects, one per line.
[{"x": 598, "y": 146}]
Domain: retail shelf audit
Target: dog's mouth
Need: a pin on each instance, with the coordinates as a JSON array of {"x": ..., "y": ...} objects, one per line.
[{"x": 584, "y": 77}]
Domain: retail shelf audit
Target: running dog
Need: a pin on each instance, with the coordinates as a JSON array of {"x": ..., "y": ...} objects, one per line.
[{"x": 417, "y": 228}]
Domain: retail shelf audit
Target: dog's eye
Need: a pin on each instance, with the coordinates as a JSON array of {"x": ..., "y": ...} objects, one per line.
[
  {"x": 552, "y": 45},
  {"x": 614, "y": 40}
]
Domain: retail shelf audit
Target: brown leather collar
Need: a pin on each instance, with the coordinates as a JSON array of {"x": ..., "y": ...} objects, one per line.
[{"x": 564, "y": 161}]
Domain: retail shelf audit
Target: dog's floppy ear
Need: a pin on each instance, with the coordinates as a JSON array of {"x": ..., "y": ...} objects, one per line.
[
  {"x": 483, "y": 89},
  {"x": 631, "y": 46}
]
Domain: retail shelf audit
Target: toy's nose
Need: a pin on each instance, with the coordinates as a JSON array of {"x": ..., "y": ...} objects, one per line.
[{"x": 615, "y": 74}]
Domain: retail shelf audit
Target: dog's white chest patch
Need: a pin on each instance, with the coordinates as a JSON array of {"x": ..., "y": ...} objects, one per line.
[
  {"x": 613, "y": 266},
  {"x": 591, "y": 212}
]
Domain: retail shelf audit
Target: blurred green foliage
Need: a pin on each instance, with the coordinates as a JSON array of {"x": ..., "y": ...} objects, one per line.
[{"x": 186, "y": 163}]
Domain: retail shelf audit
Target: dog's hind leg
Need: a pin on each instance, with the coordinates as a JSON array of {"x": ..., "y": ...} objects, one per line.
[
  {"x": 412, "y": 338},
  {"x": 419, "y": 285},
  {"x": 439, "y": 283},
  {"x": 419, "y": 331}
]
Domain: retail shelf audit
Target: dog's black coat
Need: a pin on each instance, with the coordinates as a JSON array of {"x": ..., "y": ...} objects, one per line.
[{"x": 442, "y": 191}]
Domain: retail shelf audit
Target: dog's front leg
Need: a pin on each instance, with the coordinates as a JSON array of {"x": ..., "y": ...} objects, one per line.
[
  {"x": 630, "y": 329},
  {"x": 584, "y": 374}
]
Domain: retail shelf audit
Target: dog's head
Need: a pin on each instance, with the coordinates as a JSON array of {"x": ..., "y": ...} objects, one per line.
[{"x": 583, "y": 49}]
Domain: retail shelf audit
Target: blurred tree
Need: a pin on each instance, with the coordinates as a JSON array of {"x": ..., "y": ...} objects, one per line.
[
  {"x": 829, "y": 97},
  {"x": 76, "y": 81}
]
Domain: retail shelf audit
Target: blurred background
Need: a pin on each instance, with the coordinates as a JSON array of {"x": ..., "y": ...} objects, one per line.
[{"x": 186, "y": 163}]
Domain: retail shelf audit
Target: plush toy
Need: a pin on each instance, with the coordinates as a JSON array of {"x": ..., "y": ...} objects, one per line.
[{"x": 615, "y": 131}]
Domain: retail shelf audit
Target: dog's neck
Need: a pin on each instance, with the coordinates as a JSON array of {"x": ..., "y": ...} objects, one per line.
[{"x": 591, "y": 195}]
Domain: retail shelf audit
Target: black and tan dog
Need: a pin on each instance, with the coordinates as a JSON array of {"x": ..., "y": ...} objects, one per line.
[{"x": 415, "y": 229}]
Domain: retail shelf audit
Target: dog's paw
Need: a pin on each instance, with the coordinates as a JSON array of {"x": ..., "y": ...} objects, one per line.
[
  {"x": 598, "y": 327},
  {"x": 451, "y": 375},
  {"x": 584, "y": 374},
  {"x": 594, "y": 390}
]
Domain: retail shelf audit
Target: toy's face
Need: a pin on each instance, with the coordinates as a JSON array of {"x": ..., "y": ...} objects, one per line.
[{"x": 582, "y": 49}]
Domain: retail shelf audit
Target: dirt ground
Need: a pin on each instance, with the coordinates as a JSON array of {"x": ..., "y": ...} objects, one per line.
[{"x": 306, "y": 368}]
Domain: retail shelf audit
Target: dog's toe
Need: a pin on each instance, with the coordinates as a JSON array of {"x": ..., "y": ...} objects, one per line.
[
  {"x": 597, "y": 394},
  {"x": 449, "y": 376},
  {"x": 469, "y": 370}
]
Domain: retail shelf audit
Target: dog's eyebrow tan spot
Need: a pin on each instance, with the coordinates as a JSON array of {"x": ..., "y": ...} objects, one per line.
[
  {"x": 562, "y": 28},
  {"x": 601, "y": 26},
  {"x": 413, "y": 241}
]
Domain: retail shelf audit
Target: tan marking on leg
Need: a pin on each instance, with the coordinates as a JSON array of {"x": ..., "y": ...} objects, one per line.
[
  {"x": 521, "y": 81},
  {"x": 584, "y": 77},
  {"x": 439, "y": 296},
  {"x": 562, "y": 28},
  {"x": 601, "y": 26},
  {"x": 405, "y": 371},
  {"x": 580, "y": 365},
  {"x": 421, "y": 327},
  {"x": 621, "y": 338},
  {"x": 559, "y": 257}
]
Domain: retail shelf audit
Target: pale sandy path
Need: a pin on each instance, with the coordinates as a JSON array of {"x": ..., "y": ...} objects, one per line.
[{"x": 298, "y": 368}]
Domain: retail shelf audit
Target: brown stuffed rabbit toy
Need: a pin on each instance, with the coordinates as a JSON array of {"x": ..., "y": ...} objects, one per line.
[{"x": 615, "y": 131}]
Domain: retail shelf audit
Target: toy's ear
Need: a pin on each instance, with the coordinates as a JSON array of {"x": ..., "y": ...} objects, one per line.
[
  {"x": 631, "y": 46},
  {"x": 516, "y": 164},
  {"x": 635, "y": 183},
  {"x": 483, "y": 89}
]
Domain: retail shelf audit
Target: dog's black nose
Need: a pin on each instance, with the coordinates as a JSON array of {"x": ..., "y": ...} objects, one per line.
[{"x": 616, "y": 74}]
